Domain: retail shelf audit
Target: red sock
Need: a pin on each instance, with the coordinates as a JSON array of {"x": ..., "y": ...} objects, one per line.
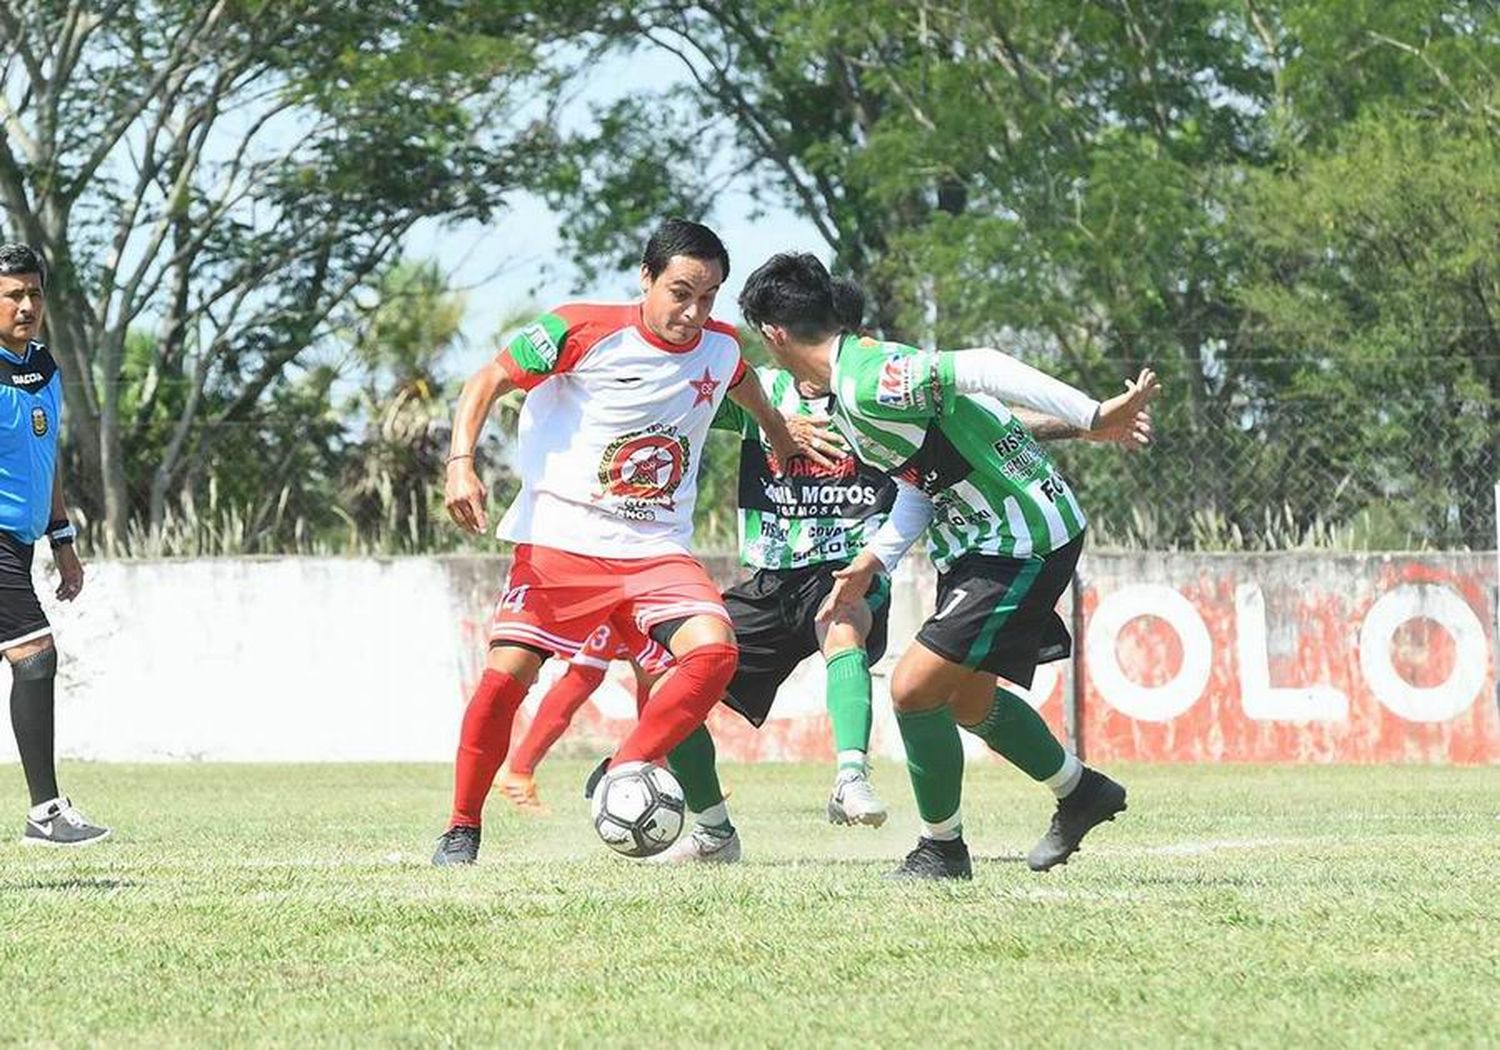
[
  {"x": 680, "y": 704},
  {"x": 558, "y": 708},
  {"x": 483, "y": 741}
]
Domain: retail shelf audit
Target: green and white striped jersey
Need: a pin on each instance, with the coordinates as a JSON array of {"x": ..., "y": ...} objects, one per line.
[
  {"x": 994, "y": 490},
  {"x": 812, "y": 514}
]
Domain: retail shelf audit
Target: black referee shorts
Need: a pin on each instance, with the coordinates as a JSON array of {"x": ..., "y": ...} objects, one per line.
[
  {"x": 775, "y": 613},
  {"x": 21, "y": 615},
  {"x": 999, "y": 614}
]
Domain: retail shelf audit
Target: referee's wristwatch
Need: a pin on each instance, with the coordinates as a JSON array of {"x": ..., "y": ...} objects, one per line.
[{"x": 61, "y": 532}]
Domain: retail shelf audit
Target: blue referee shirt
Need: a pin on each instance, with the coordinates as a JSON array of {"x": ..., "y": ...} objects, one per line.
[{"x": 30, "y": 412}]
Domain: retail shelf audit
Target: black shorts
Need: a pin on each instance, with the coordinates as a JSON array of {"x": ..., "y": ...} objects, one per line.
[
  {"x": 774, "y": 615},
  {"x": 21, "y": 616},
  {"x": 999, "y": 614}
]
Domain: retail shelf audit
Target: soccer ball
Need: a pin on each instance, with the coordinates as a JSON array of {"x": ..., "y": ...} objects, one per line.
[{"x": 638, "y": 809}]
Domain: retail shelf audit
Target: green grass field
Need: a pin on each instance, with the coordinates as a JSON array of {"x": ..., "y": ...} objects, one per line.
[{"x": 1247, "y": 906}]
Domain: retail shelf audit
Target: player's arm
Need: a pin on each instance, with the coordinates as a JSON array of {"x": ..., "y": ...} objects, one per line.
[
  {"x": 64, "y": 551},
  {"x": 909, "y": 517},
  {"x": 730, "y": 416},
  {"x": 1131, "y": 433},
  {"x": 750, "y": 397},
  {"x": 988, "y": 371},
  {"x": 463, "y": 492}
]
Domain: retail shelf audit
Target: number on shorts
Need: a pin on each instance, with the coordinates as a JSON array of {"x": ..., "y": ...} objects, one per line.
[
  {"x": 958, "y": 595},
  {"x": 515, "y": 599}
]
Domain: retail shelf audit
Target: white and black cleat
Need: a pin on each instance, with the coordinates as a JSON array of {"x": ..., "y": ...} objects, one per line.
[
  {"x": 702, "y": 845},
  {"x": 854, "y": 800},
  {"x": 57, "y": 823}
]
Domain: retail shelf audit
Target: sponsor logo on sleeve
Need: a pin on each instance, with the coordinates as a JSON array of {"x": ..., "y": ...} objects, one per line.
[
  {"x": 892, "y": 390},
  {"x": 900, "y": 385},
  {"x": 541, "y": 343}
]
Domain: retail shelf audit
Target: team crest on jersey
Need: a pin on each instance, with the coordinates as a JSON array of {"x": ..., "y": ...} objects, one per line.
[
  {"x": 536, "y": 334},
  {"x": 645, "y": 466},
  {"x": 39, "y": 423}
]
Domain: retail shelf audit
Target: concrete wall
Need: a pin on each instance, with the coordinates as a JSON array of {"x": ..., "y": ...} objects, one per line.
[{"x": 1292, "y": 656}]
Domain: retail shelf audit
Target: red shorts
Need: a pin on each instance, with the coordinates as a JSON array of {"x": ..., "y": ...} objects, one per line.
[
  {"x": 554, "y": 600},
  {"x": 625, "y": 642}
]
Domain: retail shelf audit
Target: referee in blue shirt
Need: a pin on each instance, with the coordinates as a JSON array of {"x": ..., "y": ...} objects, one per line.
[{"x": 31, "y": 506}]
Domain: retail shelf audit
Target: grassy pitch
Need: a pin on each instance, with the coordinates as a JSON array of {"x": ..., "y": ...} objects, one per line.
[{"x": 1250, "y": 906}]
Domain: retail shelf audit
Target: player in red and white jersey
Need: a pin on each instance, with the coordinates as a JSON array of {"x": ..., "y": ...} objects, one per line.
[{"x": 619, "y": 402}]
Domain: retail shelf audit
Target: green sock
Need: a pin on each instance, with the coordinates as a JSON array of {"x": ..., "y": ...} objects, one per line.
[
  {"x": 935, "y": 761},
  {"x": 1017, "y": 733},
  {"x": 693, "y": 763},
  {"x": 849, "y": 705}
]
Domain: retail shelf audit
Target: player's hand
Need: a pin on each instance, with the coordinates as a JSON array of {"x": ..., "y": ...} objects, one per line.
[
  {"x": 464, "y": 496},
  {"x": 810, "y": 441},
  {"x": 1131, "y": 433},
  {"x": 815, "y": 434},
  {"x": 1125, "y": 419},
  {"x": 850, "y": 585},
  {"x": 71, "y": 571}
]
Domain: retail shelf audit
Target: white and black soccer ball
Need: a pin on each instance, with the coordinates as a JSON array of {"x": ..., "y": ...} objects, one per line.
[{"x": 638, "y": 809}]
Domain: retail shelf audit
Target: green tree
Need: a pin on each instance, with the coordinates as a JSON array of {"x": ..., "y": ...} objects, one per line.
[
  {"x": 392, "y": 473},
  {"x": 224, "y": 176},
  {"x": 1103, "y": 185}
]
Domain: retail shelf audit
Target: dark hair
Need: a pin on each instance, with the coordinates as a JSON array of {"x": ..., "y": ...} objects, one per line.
[
  {"x": 793, "y": 290},
  {"x": 682, "y": 237},
  {"x": 18, "y": 259},
  {"x": 848, "y": 303}
]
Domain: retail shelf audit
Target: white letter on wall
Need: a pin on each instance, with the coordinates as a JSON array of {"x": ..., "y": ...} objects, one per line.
[
  {"x": 1263, "y": 701},
  {"x": 1412, "y": 601},
  {"x": 1148, "y": 703}
]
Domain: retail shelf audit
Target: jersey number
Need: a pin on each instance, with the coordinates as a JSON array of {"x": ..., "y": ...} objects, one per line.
[
  {"x": 958, "y": 595},
  {"x": 515, "y": 599}
]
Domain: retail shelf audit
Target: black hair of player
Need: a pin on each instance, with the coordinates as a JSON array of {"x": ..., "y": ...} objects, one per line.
[
  {"x": 848, "y": 304},
  {"x": 683, "y": 237},
  {"x": 16, "y": 259},
  {"x": 792, "y": 290}
]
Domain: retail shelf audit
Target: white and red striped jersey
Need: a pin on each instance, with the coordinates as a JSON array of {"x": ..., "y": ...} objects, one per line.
[{"x": 612, "y": 430}]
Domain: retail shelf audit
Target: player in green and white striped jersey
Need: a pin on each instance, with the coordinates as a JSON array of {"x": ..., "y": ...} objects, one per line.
[
  {"x": 1005, "y": 534},
  {"x": 796, "y": 529}
]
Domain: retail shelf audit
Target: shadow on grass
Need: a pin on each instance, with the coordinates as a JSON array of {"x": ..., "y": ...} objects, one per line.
[{"x": 69, "y": 885}]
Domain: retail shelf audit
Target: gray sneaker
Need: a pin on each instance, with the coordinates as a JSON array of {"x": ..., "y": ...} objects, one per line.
[
  {"x": 701, "y": 845},
  {"x": 854, "y": 800},
  {"x": 57, "y": 823}
]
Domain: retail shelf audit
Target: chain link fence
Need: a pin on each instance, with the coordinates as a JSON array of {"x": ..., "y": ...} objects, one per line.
[
  {"x": 1289, "y": 453},
  {"x": 1400, "y": 454}
]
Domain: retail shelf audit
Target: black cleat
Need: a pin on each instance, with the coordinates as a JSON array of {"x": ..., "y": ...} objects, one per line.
[
  {"x": 935, "y": 859},
  {"x": 592, "y": 783},
  {"x": 57, "y": 823},
  {"x": 458, "y": 845},
  {"x": 1095, "y": 800}
]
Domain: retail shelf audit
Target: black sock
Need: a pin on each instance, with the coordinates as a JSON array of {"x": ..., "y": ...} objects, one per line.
[{"x": 31, "y": 703}]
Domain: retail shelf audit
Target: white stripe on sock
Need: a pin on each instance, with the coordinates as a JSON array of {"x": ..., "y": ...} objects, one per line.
[
  {"x": 945, "y": 831},
  {"x": 1066, "y": 779},
  {"x": 714, "y": 815},
  {"x": 851, "y": 757}
]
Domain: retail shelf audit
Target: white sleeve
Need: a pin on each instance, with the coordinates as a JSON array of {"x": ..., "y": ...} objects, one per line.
[
  {"x": 1001, "y": 376},
  {"x": 909, "y": 517}
]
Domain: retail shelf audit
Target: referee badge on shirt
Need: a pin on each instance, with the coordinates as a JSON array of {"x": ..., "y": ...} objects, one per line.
[{"x": 39, "y": 421}]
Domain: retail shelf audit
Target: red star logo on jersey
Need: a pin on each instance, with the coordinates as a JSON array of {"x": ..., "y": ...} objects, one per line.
[{"x": 706, "y": 387}]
